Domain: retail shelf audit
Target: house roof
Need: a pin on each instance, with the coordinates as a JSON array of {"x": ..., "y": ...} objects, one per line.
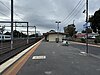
[{"x": 48, "y": 33}]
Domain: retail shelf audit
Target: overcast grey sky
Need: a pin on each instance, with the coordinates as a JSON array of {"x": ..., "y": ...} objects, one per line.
[{"x": 44, "y": 13}]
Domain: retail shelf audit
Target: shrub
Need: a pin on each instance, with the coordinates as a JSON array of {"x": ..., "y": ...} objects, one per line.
[
  {"x": 97, "y": 39},
  {"x": 83, "y": 40}
]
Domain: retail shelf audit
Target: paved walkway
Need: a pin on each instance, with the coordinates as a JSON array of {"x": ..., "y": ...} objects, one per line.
[{"x": 60, "y": 60}]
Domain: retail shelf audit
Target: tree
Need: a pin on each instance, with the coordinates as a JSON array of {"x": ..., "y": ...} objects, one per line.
[
  {"x": 70, "y": 29},
  {"x": 83, "y": 31},
  {"x": 17, "y": 34},
  {"x": 23, "y": 35},
  {"x": 33, "y": 35},
  {"x": 89, "y": 30},
  {"x": 95, "y": 21}
]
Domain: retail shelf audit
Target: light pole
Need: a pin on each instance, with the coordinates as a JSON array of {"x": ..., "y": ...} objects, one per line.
[
  {"x": 73, "y": 21},
  {"x": 15, "y": 25},
  {"x": 27, "y": 34},
  {"x": 35, "y": 30},
  {"x": 87, "y": 26},
  {"x": 57, "y": 39},
  {"x": 11, "y": 24}
]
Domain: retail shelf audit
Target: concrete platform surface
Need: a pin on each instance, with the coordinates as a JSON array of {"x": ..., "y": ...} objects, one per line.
[
  {"x": 55, "y": 59},
  {"x": 60, "y": 60}
]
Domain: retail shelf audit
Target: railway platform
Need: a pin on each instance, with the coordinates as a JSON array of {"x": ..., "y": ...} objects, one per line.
[{"x": 49, "y": 58}]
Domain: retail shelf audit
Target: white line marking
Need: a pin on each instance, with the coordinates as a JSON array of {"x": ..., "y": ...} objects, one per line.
[
  {"x": 48, "y": 72},
  {"x": 38, "y": 57}
]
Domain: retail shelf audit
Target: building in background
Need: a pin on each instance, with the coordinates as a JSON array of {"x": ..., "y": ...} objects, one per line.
[
  {"x": 52, "y": 36},
  {"x": 90, "y": 35}
]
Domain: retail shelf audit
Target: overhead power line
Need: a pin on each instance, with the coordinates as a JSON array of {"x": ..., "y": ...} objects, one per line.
[
  {"x": 76, "y": 14},
  {"x": 5, "y": 5},
  {"x": 4, "y": 14},
  {"x": 18, "y": 16},
  {"x": 10, "y": 9},
  {"x": 72, "y": 12}
]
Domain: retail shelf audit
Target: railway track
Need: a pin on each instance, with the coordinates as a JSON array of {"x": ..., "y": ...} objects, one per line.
[
  {"x": 19, "y": 45},
  {"x": 5, "y": 46}
]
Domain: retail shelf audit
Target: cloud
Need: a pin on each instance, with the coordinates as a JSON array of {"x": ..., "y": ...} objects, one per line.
[{"x": 44, "y": 13}]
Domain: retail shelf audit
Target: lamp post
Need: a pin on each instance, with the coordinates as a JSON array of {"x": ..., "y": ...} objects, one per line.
[
  {"x": 27, "y": 34},
  {"x": 87, "y": 26},
  {"x": 11, "y": 24},
  {"x": 73, "y": 21},
  {"x": 86, "y": 11},
  {"x": 35, "y": 30},
  {"x": 57, "y": 39}
]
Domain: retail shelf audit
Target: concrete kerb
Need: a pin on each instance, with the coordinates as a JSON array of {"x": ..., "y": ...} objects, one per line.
[
  {"x": 17, "y": 57},
  {"x": 85, "y": 44},
  {"x": 94, "y": 55},
  {"x": 87, "y": 54}
]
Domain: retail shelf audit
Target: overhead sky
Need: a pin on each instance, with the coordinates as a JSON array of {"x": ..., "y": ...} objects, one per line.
[{"x": 44, "y": 13}]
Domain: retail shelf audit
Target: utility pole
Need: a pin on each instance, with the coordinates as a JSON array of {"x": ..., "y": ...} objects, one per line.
[
  {"x": 87, "y": 26},
  {"x": 57, "y": 39},
  {"x": 27, "y": 34},
  {"x": 15, "y": 25},
  {"x": 73, "y": 21},
  {"x": 35, "y": 31},
  {"x": 11, "y": 24}
]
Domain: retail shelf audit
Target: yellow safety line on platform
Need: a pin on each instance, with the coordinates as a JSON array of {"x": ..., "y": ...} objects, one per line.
[{"x": 17, "y": 65}]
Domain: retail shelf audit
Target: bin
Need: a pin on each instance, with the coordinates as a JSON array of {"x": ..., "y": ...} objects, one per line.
[{"x": 57, "y": 40}]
